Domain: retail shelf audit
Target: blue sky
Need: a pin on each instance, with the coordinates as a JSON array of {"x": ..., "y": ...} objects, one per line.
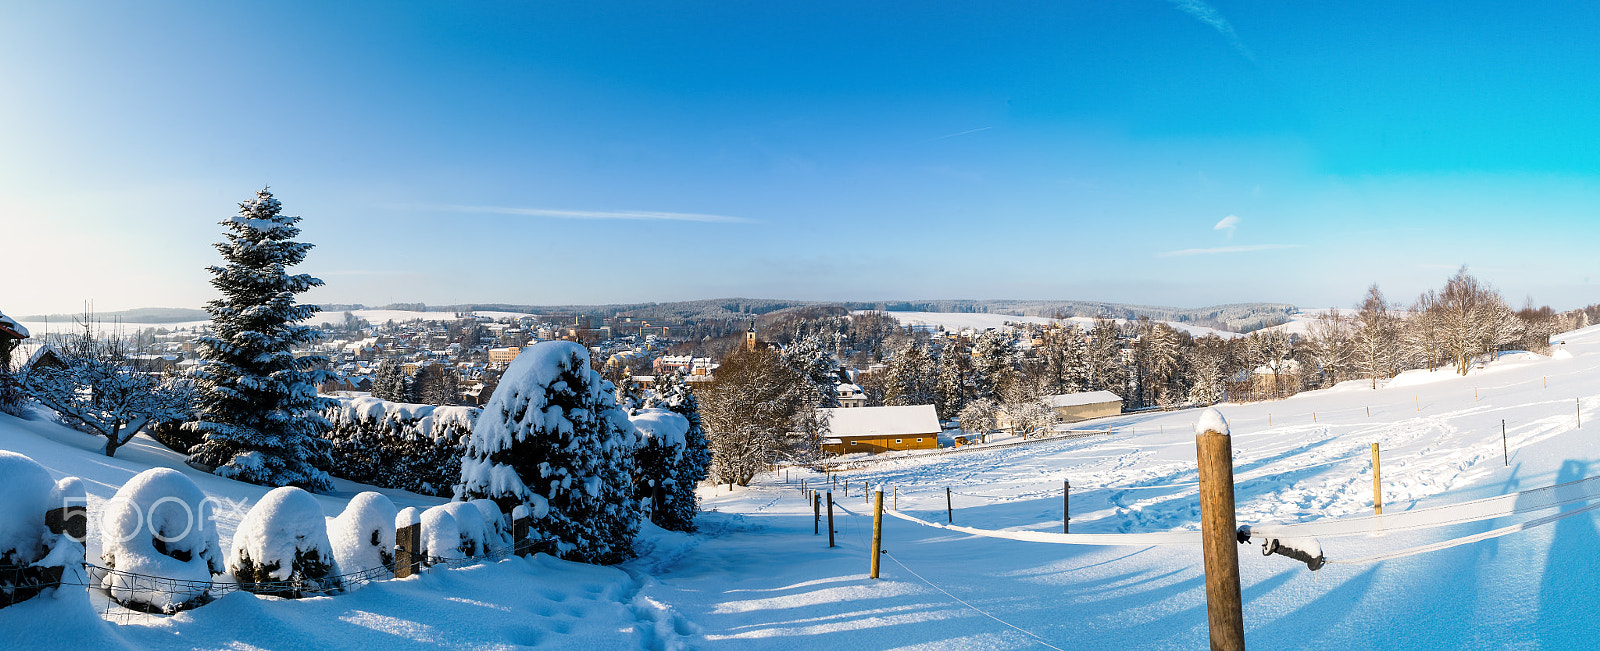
[{"x": 617, "y": 152}]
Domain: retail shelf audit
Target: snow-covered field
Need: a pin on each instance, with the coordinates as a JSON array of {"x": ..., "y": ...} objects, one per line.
[
  {"x": 39, "y": 328},
  {"x": 756, "y": 577},
  {"x": 957, "y": 321}
]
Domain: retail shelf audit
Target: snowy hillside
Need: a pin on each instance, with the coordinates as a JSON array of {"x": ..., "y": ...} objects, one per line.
[
  {"x": 756, "y": 577},
  {"x": 958, "y": 321}
]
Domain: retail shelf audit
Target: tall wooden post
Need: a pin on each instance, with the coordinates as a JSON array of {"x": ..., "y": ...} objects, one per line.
[
  {"x": 830, "y": 518},
  {"x": 1377, "y": 486},
  {"x": 521, "y": 546},
  {"x": 407, "y": 559},
  {"x": 897, "y": 498},
  {"x": 1219, "y": 536},
  {"x": 816, "y": 514},
  {"x": 1066, "y": 504},
  {"x": 877, "y": 531}
]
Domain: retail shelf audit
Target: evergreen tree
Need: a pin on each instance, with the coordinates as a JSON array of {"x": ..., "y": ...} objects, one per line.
[
  {"x": 389, "y": 381},
  {"x": 259, "y": 409},
  {"x": 812, "y": 358},
  {"x": 993, "y": 363},
  {"x": 950, "y": 392},
  {"x": 672, "y": 392},
  {"x": 553, "y": 438},
  {"x": 912, "y": 377}
]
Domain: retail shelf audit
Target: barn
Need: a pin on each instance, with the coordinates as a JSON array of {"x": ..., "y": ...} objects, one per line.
[{"x": 881, "y": 429}]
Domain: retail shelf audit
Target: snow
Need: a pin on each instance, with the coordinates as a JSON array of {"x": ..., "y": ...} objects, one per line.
[
  {"x": 980, "y": 321},
  {"x": 1082, "y": 398},
  {"x": 883, "y": 421},
  {"x": 1211, "y": 420},
  {"x": 442, "y": 537},
  {"x": 754, "y": 576},
  {"x": 665, "y": 427},
  {"x": 278, "y": 535},
  {"x": 363, "y": 535},
  {"x": 28, "y": 489},
  {"x": 159, "y": 505},
  {"x": 12, "y": 325}
]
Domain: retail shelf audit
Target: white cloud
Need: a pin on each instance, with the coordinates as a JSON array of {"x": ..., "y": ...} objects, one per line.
[
  {"x": 1209, "y": 15},
  {"x": 645, "y": 215},
  {"x": 1229, "y": 223},
  {"x": 1227, "y": 249}
]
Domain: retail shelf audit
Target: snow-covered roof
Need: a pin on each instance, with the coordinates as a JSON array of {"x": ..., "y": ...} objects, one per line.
[
  {"x": 1083, "y": 398},
  {"x": 882, "y": 421},
  {"x": 9, "y": 326}
]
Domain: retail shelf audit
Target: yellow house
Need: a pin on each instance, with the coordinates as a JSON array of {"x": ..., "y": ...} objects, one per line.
[{"x": 881, "y": 429}]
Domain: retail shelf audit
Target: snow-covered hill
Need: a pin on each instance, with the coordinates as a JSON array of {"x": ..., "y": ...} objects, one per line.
[
  {"x": 957, "y": 321},
  {"x": 756, "y": 577}
]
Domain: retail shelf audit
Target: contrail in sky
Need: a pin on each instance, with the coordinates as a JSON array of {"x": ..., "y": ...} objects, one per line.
[{"x": 1209, "y": 15}]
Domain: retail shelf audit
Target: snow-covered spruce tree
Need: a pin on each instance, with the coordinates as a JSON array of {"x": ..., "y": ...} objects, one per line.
[
  {"x": 672, "y": 392},
  {"x": 552, "y": 437},
  {"x": 389, "y": 381},
  {"x": 258, "y": 402}
]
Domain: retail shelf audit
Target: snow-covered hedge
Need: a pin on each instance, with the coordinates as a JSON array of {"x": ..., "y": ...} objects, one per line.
[
  {"x": 159, "y": 524},
  {"x": 399, "y": 445},
  {"x": 282, "y": 546},
  {"x": 28, "y": 550},
  {"x": 363, "y": 535},
  {"x": 442, "y": 537},
  {"x": 656, "y": 462},
  {"x": 553, "y": 433}
]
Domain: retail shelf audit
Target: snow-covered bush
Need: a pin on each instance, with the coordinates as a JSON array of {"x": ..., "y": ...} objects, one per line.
[
  {"x": 159, "y": 524},
  {"x": 497, "y": 527},
  {"x": 363, "y": 535},
  {"x": 657, "y": 460},
  {"x": 281, "y": 547},
  {"x": 31, "y": 557},
  {"x": 553, "y": 430},
  {"x": 694, "y": 462},
  {"x": 399, "y": 445},
  {"x": 441, "y": 536}
]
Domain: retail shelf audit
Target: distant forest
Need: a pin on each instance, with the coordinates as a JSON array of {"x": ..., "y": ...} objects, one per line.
[{"x": 1238, "y": 317}]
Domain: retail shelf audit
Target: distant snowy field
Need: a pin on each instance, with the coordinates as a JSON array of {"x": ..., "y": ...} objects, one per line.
[
  {"x": 756, "y": 577},
  {"x": 376, "y": 317},
  {"x": 957, "y": 321}
]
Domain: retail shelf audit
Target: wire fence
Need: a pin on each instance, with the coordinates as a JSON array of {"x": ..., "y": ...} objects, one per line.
[{"x": 124, "y": 597}]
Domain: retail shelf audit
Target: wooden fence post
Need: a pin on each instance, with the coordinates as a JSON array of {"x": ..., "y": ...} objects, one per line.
[
  {"x": 1377, "y": 486},
  {"x": 520, "y": 545},
  {"x": 949, "y": 512},
  {"x": 1219, "y": 533},
  {"x": 830, "y": 519},
  {"x": 877, "y": 531},
  {"x": 407, "y": 560},
  {"x": 816, "y": 514},
  {"x": 1066, "y": 504}
]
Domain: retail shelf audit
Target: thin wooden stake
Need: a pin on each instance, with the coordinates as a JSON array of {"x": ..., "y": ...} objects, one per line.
[
  {"x": 1218, "y": 533},
  {"x": 1369, "y": 411},
  {"x": 816, "y": 514},
  {"x": 897, "y": 498},
  {"x": 1419, "y": 402},
  {"x": 1066, "y": 504},
  {"x": 1313, "y": 417},
  {"x": 1269, "y": 419},
  {"x": 1503, "y": 445},
  {"x": 877, "y": 532},
  {"x": 949, "y": 512},
  {"x": 830, "y": 519},
  {"x": 1377, "y": 485},
  {"x": 1474, "y": 394}
]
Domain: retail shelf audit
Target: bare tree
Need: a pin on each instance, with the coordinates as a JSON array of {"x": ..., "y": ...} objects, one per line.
[
  {"x": 757, "y": 408},
  {"x": 1377, "y": 337},
  {"x": 97, "y": 391}
]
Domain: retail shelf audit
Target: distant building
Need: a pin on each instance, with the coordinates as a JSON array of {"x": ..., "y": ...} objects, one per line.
[
  {"x": 851, "y": 395},
  {"x": 1073, "y": 407},
  {"x": 881, "y": 429},
  {"x": 502, "y": 357}
]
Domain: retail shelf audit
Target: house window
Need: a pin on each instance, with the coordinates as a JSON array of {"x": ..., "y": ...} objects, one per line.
[
  {"x": 855, "y": 443},
  {"x": 919, "y": 440},
  {"x": 897, "y": 441}
]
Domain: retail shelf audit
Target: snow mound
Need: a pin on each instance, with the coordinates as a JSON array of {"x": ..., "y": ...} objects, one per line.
[
  {"x": 363, "y": 535},
  {"x": 1211, "y": 420},
  {"x": 663, "y": 427},
  {"x": 28, "y": 490},
  {"x": 441, "y": 535},
  {"x": 160, "y": 524},
  {"x": 283, "y": 540}
]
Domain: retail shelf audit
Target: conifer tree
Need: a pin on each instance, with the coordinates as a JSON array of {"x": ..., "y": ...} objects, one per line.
[
  {"x": 259, "y": 410},
  {"x": 672, "y": 392},
  {"x": 552, "y": 438},
  {"x": 389, "y": 381}
]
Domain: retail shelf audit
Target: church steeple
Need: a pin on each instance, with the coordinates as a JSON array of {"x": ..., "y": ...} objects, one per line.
[{"x": 750, "y": 336}]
